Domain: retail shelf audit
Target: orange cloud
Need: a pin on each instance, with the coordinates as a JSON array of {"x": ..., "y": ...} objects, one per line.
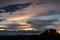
[{"x": 20, "y": 17}]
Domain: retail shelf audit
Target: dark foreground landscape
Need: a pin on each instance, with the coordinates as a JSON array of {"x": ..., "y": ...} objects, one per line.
[{"x": 47, "y": 35}]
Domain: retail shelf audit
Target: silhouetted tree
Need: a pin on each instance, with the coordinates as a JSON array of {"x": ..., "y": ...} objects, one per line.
[{"x": 50, "y": 34}]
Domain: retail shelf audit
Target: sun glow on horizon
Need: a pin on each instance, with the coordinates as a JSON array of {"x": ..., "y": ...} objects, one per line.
[
  {"x": 58, "y": 32},
  {"x": 27, "y": 28}
]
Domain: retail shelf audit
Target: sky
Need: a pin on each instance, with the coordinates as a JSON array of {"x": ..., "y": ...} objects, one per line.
[{"x": 30, "y": 14}]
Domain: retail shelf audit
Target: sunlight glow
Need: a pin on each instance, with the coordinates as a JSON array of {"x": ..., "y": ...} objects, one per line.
[
  {"x": 22, "y": 20},
  {"x": 20, "y": 17},
  {"x": 26, "y": 29},
  {"x": 58, "y": 32}
]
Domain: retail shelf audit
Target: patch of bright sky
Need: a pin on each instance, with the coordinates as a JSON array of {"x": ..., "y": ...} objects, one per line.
[
  {"x": 50, "y": 26},
  {"x": 5, "y": 22}
]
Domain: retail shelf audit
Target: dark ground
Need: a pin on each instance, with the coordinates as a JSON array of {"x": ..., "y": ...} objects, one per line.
[{"x": 47, "y": 35}]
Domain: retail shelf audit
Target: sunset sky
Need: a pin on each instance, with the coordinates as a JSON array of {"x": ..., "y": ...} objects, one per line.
[{"x": 39, "y": 14}]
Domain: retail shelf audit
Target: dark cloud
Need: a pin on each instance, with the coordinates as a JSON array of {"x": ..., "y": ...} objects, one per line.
[
  {"x": 12, "y": 8},
  {"x": 52, "y": 12},
  {"x": 56, "y": 0},
  {"x": 49, "y": 13},
  {"x": 14, "y": 25},
  {"x": 41, "y": 23},
  {"x": 2, "y": 20},
  {"x": 10, "y": 2}
]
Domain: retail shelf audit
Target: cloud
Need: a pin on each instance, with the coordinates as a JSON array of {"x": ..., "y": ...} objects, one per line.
[
  {"x": 12, "y": 8},
  {"x": 47, "y": 16},
  {"x": 52, "y": 12},
  {"x": 43, "y": 12},
  {"x": 13, "y": 25},
  {"x": 41, "y": 23},
  {"x": 2, "y": 20},
  {"x": 36, "y": 9}
]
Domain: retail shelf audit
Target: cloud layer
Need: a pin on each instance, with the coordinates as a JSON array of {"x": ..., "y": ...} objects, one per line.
[{"x": 35, "y": 14}]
